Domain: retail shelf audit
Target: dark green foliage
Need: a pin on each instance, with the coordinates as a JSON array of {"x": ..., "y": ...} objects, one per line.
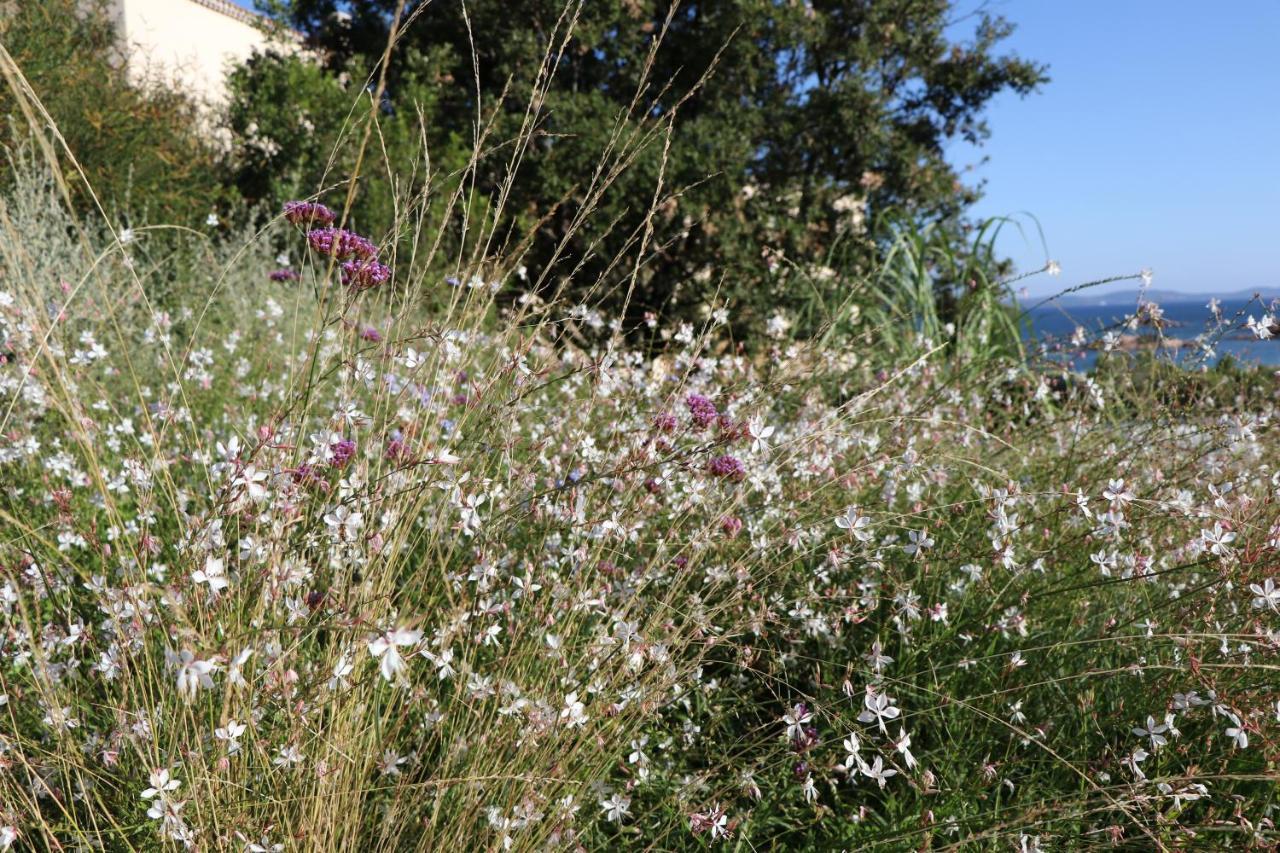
[
  {"x": 804, "y": 119},
  {"x": 144, "y": 150},
  {"x": 297, "y": 129}
]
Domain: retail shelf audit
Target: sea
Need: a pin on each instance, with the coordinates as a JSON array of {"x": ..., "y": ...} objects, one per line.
[{"x": 1053, "y": 325}]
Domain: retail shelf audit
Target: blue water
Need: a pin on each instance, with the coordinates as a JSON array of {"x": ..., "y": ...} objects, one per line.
[{"x": 1053, "y": 326}]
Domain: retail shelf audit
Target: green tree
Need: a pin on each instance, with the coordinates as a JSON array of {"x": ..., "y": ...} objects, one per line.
[
  {"x": 144, "y": 150},
  {"x": 297, "y": 128},
  {"x": 814, "y": 116}
]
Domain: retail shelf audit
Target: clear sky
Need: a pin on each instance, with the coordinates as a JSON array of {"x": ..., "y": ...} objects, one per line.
[{"x": 1156, "y": 144}]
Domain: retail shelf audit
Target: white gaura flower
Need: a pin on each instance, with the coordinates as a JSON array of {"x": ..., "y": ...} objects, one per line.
[
  {"x": 574, "y": 712},
  {"x": 615, "y": 808},
  {"x": 1237, "y": 732},
  {"x": 235, "y": 674},
  {"x": 760, "y": 435},
  {"x": 60, "y": 718},
  {"x": 390, "y": 763},
  {"x": 341, "y": 670},
  {"x": 795, "y": 720},
  {"x": 1154, "y": 731},
  {"x": 1261, "y": 328},
  {"x": 858, "y": 525},
  {"x": 288, "y": 756},
  {"x": 193, "y": 674},
  {"x": 877, "y": 771},
  {"x": 442, "y": 457},
  {"x": 903, "y": 745},
  {"x": 412, "y": 359},
  {"x": 920, "y": 542},
  {"x": 1118, "y": 493},
  {"x": 231, "y": 733},
  {"x": 878, "y": 708},
  {"x": 1268, "y": 595},
  {"x": 1132, "y": 761},
  {"x": 254, "y": 482},
  {"x": 1218, "y": 540},
  {"x": 876, "y": 658},
  {"x": 443, "y": 663},
  {"x": 384, "y": 647},
  {"x": 343, "y": 523},
  {"x": 161, "y": 784},
  {"x": 214, "y": 574},
  {"x": 852, "y": 747}
]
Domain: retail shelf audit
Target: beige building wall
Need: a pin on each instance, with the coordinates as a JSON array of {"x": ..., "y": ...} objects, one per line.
[{"x": 192, "y": 41}]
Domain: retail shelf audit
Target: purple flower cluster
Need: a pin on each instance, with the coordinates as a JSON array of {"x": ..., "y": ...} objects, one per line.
[
  {"x": 360, "y": 270},
  {"x": 397, "y": 449},
  {"x": 307, "y": 475},
  {"x": 308, "y": 213},
  {"x": 284, "y": 275},
  {"x": 341, "y": 244},
  {"x": 727, "y": 466},
  {"x": 702, "y": 410},
  {"x": 364, "y": 274},
  {"x": 341, "y": 452}
]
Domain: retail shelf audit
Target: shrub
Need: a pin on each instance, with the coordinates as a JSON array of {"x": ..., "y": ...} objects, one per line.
[
  {"x": 142, "y": 150},
  {"x": 300, "y": 563},
  {"x": 747, "y": 143}
]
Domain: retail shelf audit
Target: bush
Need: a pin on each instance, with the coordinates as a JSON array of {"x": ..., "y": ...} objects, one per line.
[
  {"x": 144, "y": 151},
  {"x": 299, "y": 562},
  {"x": 747, "y": 143}
]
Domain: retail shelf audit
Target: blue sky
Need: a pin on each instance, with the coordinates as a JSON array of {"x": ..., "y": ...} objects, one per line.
[{"x": 1156, "y": 144}]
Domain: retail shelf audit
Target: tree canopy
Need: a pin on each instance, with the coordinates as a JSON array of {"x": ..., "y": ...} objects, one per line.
[{"x": 790, "y": 123}]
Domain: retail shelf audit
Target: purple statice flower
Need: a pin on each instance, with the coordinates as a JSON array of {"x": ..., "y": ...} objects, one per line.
[
  {"x": 284, "y": 275},
  {"x": 727, "y": 466},
  {"x": 308, "y": 213},
  {"x": 702, "y": 410},
  {"x": 665, "y": 422},
  {"x": 364, "y": 274},
  {"x": 340, "y": 452},
  {"x": 370, "y": 334},
  {"x": 341, "y": 244}
]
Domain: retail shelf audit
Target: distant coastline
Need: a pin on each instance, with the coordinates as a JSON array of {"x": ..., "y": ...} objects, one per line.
[{"x": 1130, "y": 297}]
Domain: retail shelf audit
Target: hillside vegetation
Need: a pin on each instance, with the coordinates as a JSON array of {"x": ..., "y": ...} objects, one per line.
[{"x": 314, "y": 537}]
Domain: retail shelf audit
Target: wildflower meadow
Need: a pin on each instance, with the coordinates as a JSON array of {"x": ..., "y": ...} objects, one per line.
[{"x": 318, "y": 539}]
